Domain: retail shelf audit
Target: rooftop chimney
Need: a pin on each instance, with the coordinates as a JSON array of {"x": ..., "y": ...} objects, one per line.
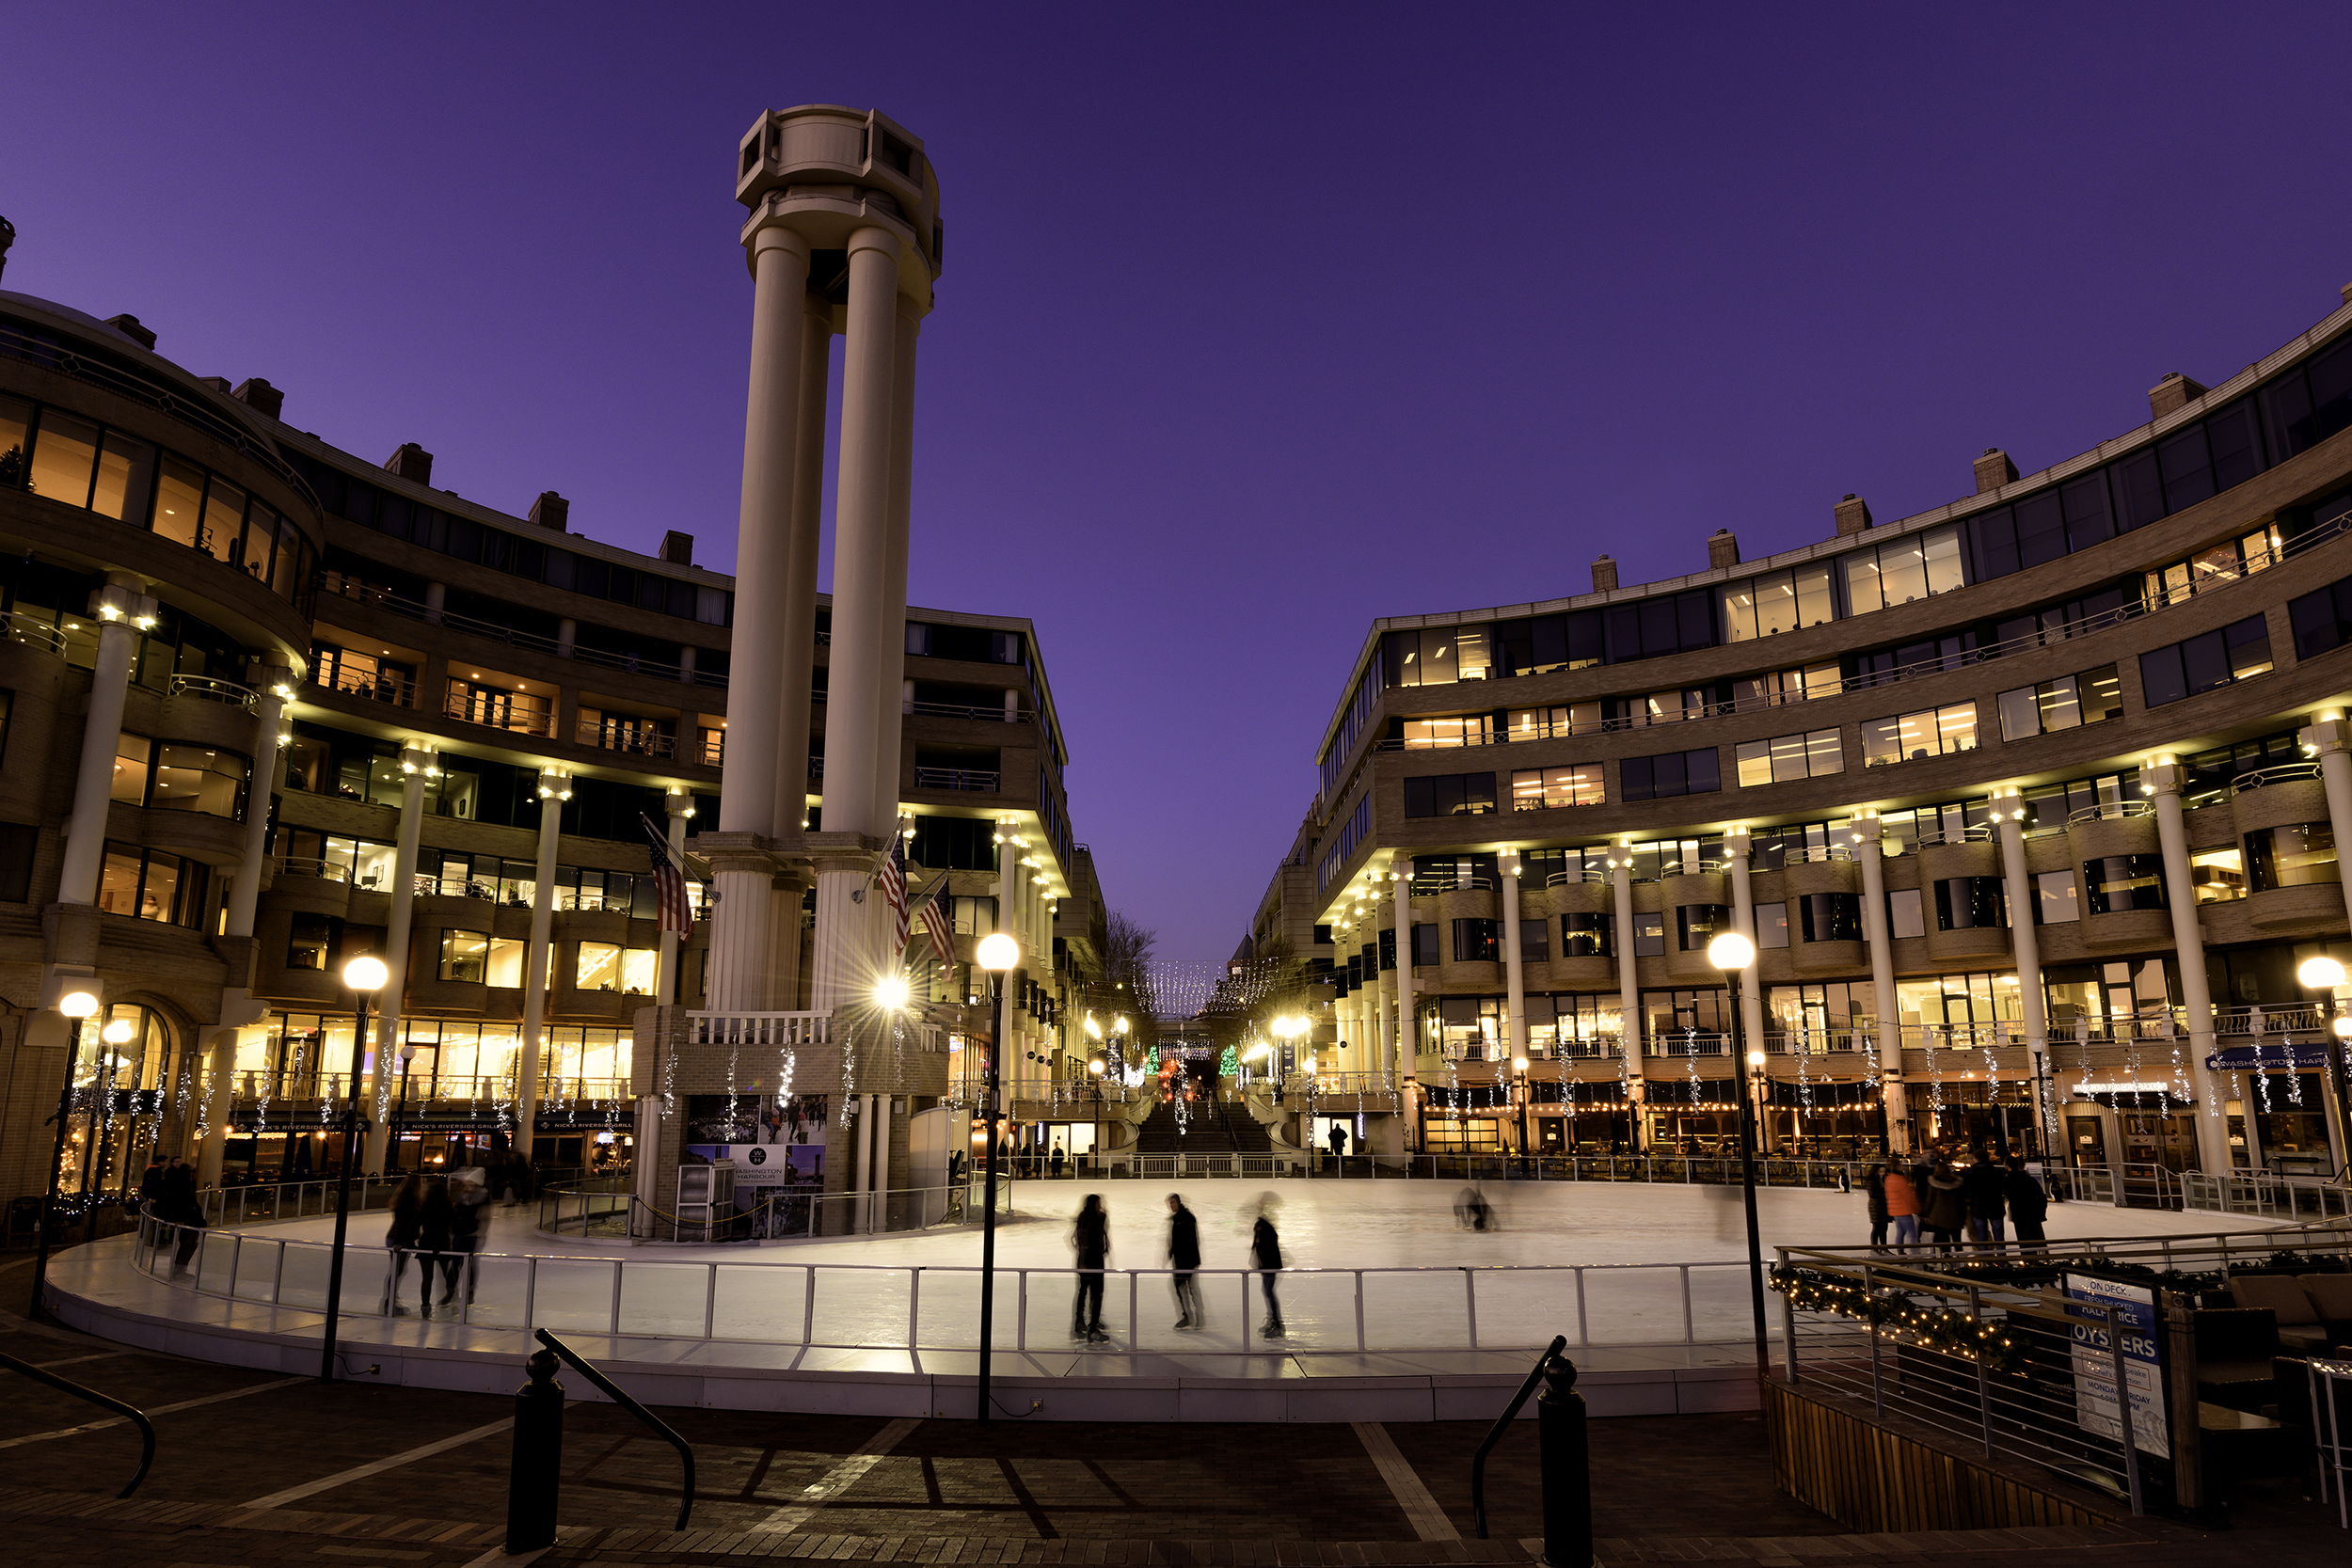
[
  {"x": 678, "y": 548},
  {"x": 1853, "y": 515},
  {"x": 551, "y": 511},
  {"x": 7, "y": 238},
  {"x": 2174, "y": 391},
  {"x": 411, "y": 462},
  {"x": 8, "y": 233},
  {"x": 1604, "y": 575},
  {"x": 129, "y": 326},
  {"x": 1723, "y": 548},
  {"x": 260, "y": 396},
  {"x": 1994, "y": 469}
]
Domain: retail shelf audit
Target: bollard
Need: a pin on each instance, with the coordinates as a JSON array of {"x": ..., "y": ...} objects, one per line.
[
  {"x": 1567, "y": 1467},
  {"x": 536, "y": 1478}
]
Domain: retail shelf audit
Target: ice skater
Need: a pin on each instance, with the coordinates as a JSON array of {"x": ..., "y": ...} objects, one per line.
[
  {"x": 1265, "y": 1256},
  {"x": 1184, "y": 1258},
  {"x": 1091, "y": 1237},
  {"x": 1471, "y": 1211}
]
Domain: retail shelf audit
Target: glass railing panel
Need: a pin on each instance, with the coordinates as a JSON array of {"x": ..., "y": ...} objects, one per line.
[
  {"x": 667, "y": 1299},
  {"x": 760, "y": 1302},
  {"x": 861, "y": 1306},
  {"x": 497, "y": 1285},
  {"x": 571, "y": 1295},
  {"x": 1415, "y": 1311}
]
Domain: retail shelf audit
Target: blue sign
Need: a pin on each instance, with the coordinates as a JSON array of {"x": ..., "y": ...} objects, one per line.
[{"x": 2096, "y": 1405}]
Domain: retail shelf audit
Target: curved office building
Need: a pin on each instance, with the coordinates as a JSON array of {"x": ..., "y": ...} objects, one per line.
[
  {"x": 2030, "y": 803},
  {"x": 265, "y": 705}
]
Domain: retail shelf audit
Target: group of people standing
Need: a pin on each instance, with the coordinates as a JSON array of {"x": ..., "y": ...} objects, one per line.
[
  {"x": 436, "y": 1220},
  {"x": 1936, "y": 1201},
  {"x": 1091, "y": 1239}
]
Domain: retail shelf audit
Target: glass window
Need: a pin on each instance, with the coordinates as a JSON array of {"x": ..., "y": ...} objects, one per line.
[
  {"x": 179, "y": 500},
  {"x": 599, "y": 967},
  {"x": 126, "y": 472},
  {"x": 1650, "y": 936},
  {"x": 464, "y": 956},
  {"x": 224, "y": 519},
  {"x": 1424, "y": 946},
  {"x": 65, "y": 450},
  {"x": 16, "y": 424},
  {"x": 2118, "y": 882},
  {"x": 2219, "y": 875},
  {"x": 1964, "y": 903},
  {"x": 118, "y": 882},
  {"x": 1829, "y": 916},
  {"x": 1477, "y": 941},
  {"x": 2302, "y": 855},
  {"x": 197, "y": 779},
  {"x": 1588, "y": 936},
  {"x": 1546, "y": 788},
  {"x": 640, "y": 969},
  {"x": 1771, "y": 924},
  {"x": 311, "y": 941},
  {"x": 1905, "y": 917},
  {"x": 2055, "y": 900},
  {"x": 1695, "y": 925},
  {"x": 132, "y": 754}
]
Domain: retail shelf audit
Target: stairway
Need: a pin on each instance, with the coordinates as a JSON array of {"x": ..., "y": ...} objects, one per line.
[{"x": 1216, "y": 1127}]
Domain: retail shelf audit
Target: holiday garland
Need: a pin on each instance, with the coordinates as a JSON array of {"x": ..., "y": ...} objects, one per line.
[{"x": 1897, "y": 1314}]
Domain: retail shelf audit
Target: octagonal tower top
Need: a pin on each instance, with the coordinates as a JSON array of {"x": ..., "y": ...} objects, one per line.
[{"x": 822, "y": 167}]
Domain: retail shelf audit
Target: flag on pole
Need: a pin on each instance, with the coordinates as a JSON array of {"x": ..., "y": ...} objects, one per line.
[
  {"x": 934, "y": 909},
  {"x": 669, "y": 883},
  {"x": 892, "y": 877}
]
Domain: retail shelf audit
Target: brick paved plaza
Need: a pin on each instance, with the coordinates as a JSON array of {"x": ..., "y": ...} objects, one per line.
[{"x": 257, "y": 1468}]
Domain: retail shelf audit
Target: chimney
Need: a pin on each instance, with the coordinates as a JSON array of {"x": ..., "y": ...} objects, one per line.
[
  {"x": 1994, "y": 469},
  {"x": 2174, "y": 391},
  {"x": 217, "y": 383},
  {"x": 260, "y": 396},
  {"x": 411, "y": 462},
  {"x": 551, "y": 511},
  {"x": 7, "y": 238},
  {"x": 129, "y": 326},
  {"x": 8, "y": 233},
  {"x": 1604, "y": 575},
  {"x": 678, "y": 548},
  {"x": 1853, "y": 515},
  {"x": 1723, "y": 548}
]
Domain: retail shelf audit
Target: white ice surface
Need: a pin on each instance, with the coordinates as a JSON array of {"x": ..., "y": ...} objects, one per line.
[{"x": 1631, "y": 1241}]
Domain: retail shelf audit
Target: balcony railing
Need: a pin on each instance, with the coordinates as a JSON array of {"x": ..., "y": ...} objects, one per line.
[
  {"x": 957, "y": 778},
  {"x": 392, "y": 690},
  {"x": 1571, "y": 879},
  {"x": 205, "y": 689},
  {"x": 34, "y": 632},
  {"x": 540, "y": 723},
  {"x": 955, "y": 710},
  {"x": 346, "y": 587},
  {"x": 2110, "y": 811},
  {"x": 643, "y": 743},
  {"x": 2264, "y": 776},
  {"x": 1430, "y": 886}
]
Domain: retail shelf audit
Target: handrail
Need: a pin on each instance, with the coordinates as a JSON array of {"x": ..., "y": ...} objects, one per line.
[
  {"x": 618, "y": 1396},
  {"x": 1502, "y": 1424},
  {"x": 213, "y": 690},
  {"x": 2280, "y": 773},
  {"x": 67, "y": 1385},
  {"x": 35, "y": 631},
  {"x": 2110, "y": 811}
]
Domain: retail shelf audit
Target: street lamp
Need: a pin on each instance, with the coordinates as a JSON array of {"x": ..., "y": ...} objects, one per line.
[
  {"x": 998, "y": 953},
  {"x": 112, "y": 1038},
  {"x": 2322, "y": 972},
  {"x": 76, "y": 1006},
  {"x": 1732, "y": 953},
  {"x": 1094, "y": 1071},
  {"x": 365, "y": 976},
  {"x": 1519, "y": 1071},
  {"x": 400, "y": 1129}
]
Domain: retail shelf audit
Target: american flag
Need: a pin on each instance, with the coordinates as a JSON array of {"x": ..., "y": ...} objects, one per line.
[
  {"x": 934, "y": 909},
  {"x": 669, "y": 883},
  {"x": 892, "y": 877}
]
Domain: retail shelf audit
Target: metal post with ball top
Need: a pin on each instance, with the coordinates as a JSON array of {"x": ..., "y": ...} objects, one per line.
[
  {"x": 998, "y": 953},
  {"x": 1732, "y": 953},
  {"x": 365, "y": 976},
  {"x": 76, "y": 1006}
]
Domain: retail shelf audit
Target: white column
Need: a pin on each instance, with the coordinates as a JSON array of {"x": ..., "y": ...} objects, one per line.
[
  {"x": 2024, "y": 939},
  {"x": 861, "y": 543},
  {"x": 797, "y": 626},
  {"x": 272, "y": 686},
  {"x": 680, "y": 806},
  {"x": 890, "y": 690},
  {"x": 772, "y": 428},
  {"x": 2331, "y": 738},
  {"x": 1408, "y": 1028},
  {"x": 416, "y": 765},
  {"x": 1738, "y": 846},
  {"x": 2163, "y": 781},
  {"x": 844, "y": 966},
  {"x": 1628, "y": 977},
  {"x": 554, "y": 789},
  {"x": 1513, "y": 975},
  {"x": 1864, "y": 839},
  {"x": 122, "y": 613},
  {"x": 737, "y": 975}
]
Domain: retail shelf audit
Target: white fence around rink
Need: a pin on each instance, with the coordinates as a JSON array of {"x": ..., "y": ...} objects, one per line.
[{"x": 936, "y": 1308}]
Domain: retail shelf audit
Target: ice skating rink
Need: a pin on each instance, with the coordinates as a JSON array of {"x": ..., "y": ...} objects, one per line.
[{"x": 1605, "y": 1263}]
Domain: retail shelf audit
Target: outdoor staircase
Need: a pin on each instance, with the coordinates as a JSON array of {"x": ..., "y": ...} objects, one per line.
[{"x": 1214, "y": 1126}]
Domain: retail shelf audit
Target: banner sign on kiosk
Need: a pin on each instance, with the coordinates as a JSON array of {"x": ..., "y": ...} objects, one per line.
[{"x": 2095, "y": 1409}]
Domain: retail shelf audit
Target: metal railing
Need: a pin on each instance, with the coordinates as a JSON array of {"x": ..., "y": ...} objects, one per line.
[
  {"x": 1303, "y": 1083},
  {"x": 526, "y": 722},
  {"x": 130, "y": 1413},
  {"x": 2110, "y": 811},
  {"x": 2268, "y": 1195},
  {"x": 646, "y": 743},
  {"x": 1432, "y": 885},
  {"x": 780, "y": 1215},
  {"x": 957, "y": 710},
  {"x": 2262, "y": 777},
  {"x": 1568, "y": 878},
  {"x": 392, "y": 690},
  {"x": 206, "y": 688},
  {"x": 957, "y": 778},
  {"x": 917, "y": 1307},
  {"x": 33, "y": 631}
]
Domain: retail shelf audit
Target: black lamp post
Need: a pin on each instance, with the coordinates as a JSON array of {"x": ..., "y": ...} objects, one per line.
[
  {"x": 998, "y": 953},
  {"x": 1732, "y": 953},
  {"x": 76, "y": 1006},
  {"x": 1518, "y": 1069},
  {"x": 400, "y": 1120},
  {"x": 365, "y": 976}
]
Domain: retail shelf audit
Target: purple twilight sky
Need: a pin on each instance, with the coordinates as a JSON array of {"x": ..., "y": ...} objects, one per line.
[{"x": 1257, "y": 321}]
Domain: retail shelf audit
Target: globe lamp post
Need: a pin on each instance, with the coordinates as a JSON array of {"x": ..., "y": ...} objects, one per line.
[
  {"x": 1732, "y": 953},
  {"x": 76, "y": 1006},
  {"x": 2322, "y": 972},
  {"x": 365, "y": 976},
  {"x": 998, "y": 953}
]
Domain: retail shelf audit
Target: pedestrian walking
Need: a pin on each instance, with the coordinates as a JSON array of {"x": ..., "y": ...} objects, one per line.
[
  {"x": 1339, "y": 1145},
  {"x": 1091, "y": 1237},
  {"x": 179, "y": 1205},
  {"x": 1984, "y": 1185},
  {"x": 1903, "y": 1206},
  {"x": 468, "y": 1232},
  {"x": 1874, "y": 1199},
  {"x": 1055, "y": 1161},
  {"x": 436, "y": 1216},
  {"x": 2028, "y": 1204},
  {"x": 1184, "y": 1258},
  {"x": 1946, "y": 1213},
  {"x": 401, "y": 1241},
  {"x": 1265, "y": 1255}
]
